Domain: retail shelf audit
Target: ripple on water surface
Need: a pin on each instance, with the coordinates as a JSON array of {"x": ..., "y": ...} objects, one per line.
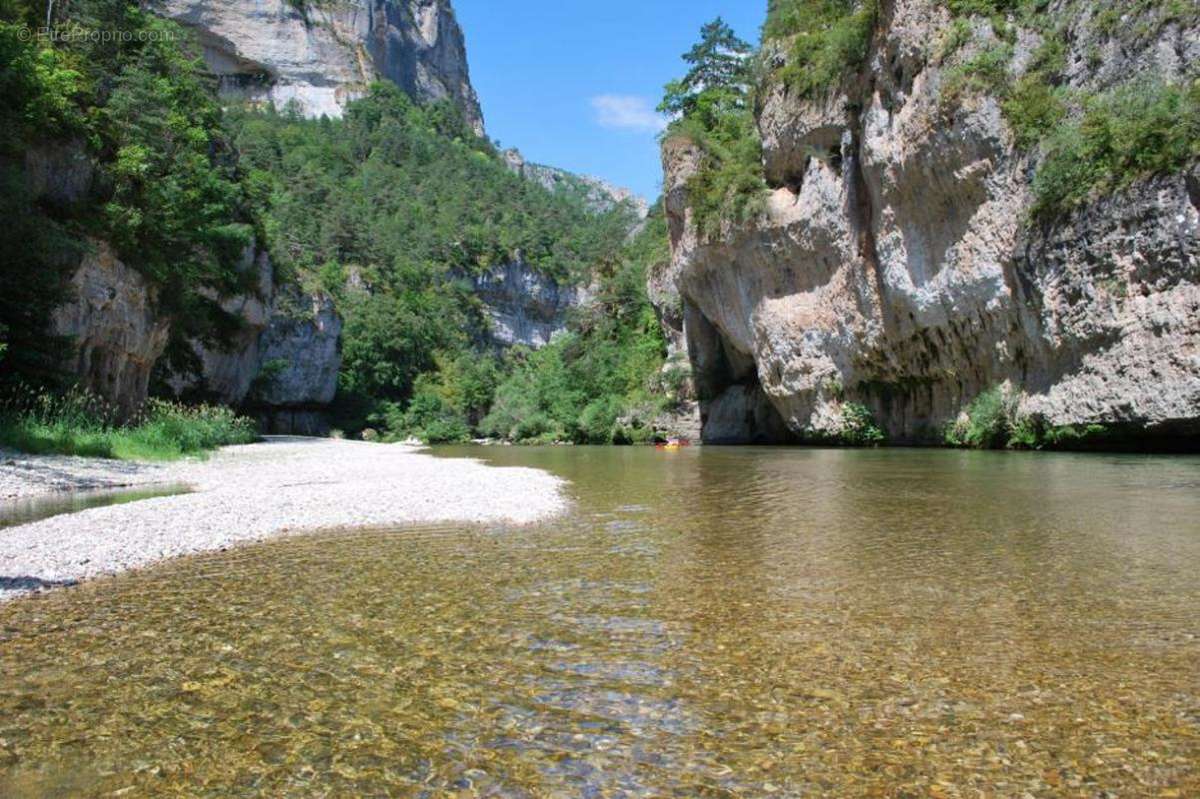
[{"x": 717, "y": 622}]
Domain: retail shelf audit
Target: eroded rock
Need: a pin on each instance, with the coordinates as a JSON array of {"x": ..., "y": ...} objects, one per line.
[
  {"x": 895, "y": 264},
  {"x": 116, "y": 330},
  {"x": 321, "y": 55}
]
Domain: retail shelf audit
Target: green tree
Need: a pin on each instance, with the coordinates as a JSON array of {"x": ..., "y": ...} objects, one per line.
[
  {"x": 714, "y": 111},
  {"x": 719, "y": 64}
]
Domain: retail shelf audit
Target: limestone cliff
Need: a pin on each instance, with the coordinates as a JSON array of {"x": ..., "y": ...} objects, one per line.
[
  {"x": 324, "y": 54},
  {"x": 896, "y": 264},
  {"x": 299, "y": 355},
  {"x": 524, "y": 306},
  {"x": 116, "y": 332},
  {"x": 598, "y": 195},
  {"x": 280, "y": 364}
]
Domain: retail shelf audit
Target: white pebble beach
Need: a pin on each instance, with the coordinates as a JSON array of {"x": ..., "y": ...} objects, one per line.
[{"x": 249, "y": 493}]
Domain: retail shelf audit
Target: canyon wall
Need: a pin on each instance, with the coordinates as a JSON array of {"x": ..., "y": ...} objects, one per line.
[
  {"x": 114, "y": 326},
  {"x": 281, "y": 364},
  {"x": 282, "y": 360},
  {"x": 524, "y": 306},
  {"x": 321, "y": 55},
  {"x": 896, "y": 263}
]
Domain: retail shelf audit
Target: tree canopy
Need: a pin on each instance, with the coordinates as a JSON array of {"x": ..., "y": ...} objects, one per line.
[{"x": 718, "y": 63}]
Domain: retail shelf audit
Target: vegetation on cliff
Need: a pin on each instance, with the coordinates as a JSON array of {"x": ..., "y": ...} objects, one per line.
[
  {"x": 1129, "y": 133},
  {"x": 600, "y": 382},
  {"x": 389, "y": 211},
  {"x": 603, "y": 382},
  {"x": 828, "y": 38},
  {"x": 1083, "y": 144},
  {"x": 161, "y": 185},
  {"x": 993, "y": 420},
  {"x": 713, "y": 108}
]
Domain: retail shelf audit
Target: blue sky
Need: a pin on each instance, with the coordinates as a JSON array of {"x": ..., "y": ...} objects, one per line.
[{"x": 573, "y": 83}]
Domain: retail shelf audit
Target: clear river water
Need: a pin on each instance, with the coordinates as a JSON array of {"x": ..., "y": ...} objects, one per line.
[{"x": 704, "y": 623}]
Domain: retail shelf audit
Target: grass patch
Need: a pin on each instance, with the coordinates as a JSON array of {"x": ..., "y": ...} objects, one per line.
[
  {"x": 1132, "y": 132},
  {"x": 77, "y": 423},
  {"x": 984, "y": 73},
  {"x": 830, "y": 38}
]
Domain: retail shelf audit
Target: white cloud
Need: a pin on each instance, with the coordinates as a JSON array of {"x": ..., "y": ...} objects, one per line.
[{"x": 627, "y": 112}]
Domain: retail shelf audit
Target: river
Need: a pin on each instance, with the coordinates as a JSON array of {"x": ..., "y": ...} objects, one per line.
[{"x": 707, "y": 622}]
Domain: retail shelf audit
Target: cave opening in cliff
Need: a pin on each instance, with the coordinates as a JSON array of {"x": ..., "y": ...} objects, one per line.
[{"x": 734, "y": 408}]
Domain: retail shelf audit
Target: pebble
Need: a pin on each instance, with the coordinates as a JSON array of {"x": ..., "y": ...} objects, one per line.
[{"x": 253, "y": 492}]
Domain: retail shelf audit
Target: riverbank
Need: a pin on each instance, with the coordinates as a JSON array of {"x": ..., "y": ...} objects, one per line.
[{"x": 249, "y": 493}]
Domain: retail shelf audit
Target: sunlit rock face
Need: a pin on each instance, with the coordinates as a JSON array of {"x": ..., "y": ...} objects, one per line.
[
  {"x": 115, "y": 331},
  {"x": 599, "y": 196},
  {"x": 895, "y": 263},
  {"x": 322, "y": 55},
  {"x": 523, "y": 306}
]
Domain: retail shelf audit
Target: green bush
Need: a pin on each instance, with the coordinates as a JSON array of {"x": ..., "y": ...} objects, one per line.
[
  {"x": 988, "y": 422},
  {"x": 858, "y": 427},
  {"x": 831, "y": 37},
  {"x": 992, "y": 422},
  {"x": 598, "y": 420},
  {"x": 1033, "y": 108},
  {"x": 1072, "y": 436},
  {"x": 430, "y": 416},
  {"x": 984, "y": 73},
  {"x": 78, "y": 423},
  {"x": 1132, "y": 132}
]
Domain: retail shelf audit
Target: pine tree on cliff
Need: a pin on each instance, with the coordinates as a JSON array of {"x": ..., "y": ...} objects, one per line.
[{"x": 719, "y": 62}]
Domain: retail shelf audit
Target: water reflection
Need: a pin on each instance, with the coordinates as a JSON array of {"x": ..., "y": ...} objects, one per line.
[
  {"x": 24, "y": 511},
  {"x": 716, "y": 622}
]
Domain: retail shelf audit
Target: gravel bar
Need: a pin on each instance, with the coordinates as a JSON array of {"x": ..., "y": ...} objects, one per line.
[{"x": 250, "y": 493}]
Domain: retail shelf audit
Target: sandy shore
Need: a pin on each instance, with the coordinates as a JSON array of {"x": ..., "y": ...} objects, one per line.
[{"x": 249, "y": 493}]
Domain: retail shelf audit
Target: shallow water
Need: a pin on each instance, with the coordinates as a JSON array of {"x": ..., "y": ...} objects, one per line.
[
  {"x": 709, "y": 622},
  {"x": 32, "y": 509}
]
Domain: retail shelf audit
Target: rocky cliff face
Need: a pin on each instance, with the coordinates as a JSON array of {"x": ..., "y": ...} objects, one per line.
[
  {"x": 282, "y": 362},
  {"x": 299, "y": 355},
  {"x": 524, "y": 306},
  {"x": 895, "y": 263},
  {"x": 598, "y": 195},
  {"x": 321, "y": 55},
  {"x": 116, "y": 330}
]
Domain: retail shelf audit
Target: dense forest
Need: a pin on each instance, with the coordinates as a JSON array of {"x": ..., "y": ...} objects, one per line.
[{"x": 388, "y": 211}]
